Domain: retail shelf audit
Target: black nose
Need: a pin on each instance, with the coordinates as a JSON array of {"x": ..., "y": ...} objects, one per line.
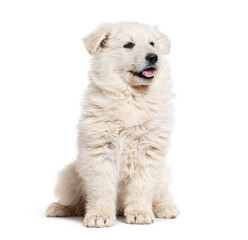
[{"x": 151, "y": 58}]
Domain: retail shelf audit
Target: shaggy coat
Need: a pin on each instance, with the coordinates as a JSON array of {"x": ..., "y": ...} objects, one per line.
[{"x": 123, "y": 133}]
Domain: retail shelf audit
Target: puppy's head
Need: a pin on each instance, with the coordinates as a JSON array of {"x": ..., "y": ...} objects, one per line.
[{"x": 133, "y": 51}]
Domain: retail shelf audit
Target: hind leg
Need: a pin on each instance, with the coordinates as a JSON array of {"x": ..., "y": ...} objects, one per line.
[
  {"x": 163, "y": 206},
  {"x": 69, "y": 191},
  {"x": 57, "y": 210}
]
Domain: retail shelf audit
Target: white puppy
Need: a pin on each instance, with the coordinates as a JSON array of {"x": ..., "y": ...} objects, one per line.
[{"x": 124, "y": 131}]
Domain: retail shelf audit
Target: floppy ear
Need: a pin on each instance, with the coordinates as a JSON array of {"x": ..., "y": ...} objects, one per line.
[
  {"x": 164, "y": 43},
  {"x": 97, "y": 39}
]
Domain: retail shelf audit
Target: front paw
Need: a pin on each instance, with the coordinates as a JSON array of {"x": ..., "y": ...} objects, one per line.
[
  {"x": 167, "y": 211},
  {"x": 98, "y": 220},
  {"x": 139, "y": 217}
]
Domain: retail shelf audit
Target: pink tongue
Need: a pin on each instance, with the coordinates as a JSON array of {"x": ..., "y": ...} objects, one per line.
[{"x": 148, "y": 73}]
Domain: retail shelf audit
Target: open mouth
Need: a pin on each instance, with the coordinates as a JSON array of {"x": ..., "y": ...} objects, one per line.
[{"x": 147, "y": 73}]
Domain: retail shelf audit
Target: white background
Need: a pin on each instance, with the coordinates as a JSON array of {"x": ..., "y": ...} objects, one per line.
[{"x": 43, "y": 73}]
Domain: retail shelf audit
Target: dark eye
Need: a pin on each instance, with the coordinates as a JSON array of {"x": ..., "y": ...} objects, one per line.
[
  {"x": 129, "y": 45},
  {"x": 152, "y": 43}
]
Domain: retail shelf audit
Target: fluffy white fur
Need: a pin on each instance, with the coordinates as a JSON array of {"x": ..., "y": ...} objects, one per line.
[{"x": 123, "y": 135}]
